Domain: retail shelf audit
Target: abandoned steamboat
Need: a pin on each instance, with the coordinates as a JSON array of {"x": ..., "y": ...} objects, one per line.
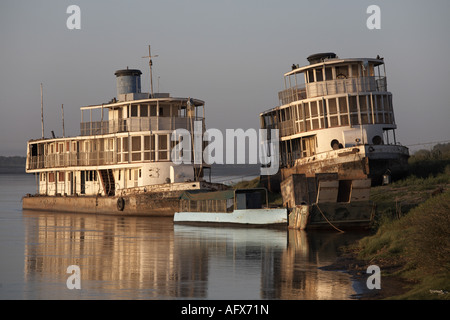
[
  {"x": 337, "y": 135},
  {"x": 120, "y": 163}
]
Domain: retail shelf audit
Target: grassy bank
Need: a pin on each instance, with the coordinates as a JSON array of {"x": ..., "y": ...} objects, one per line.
[{"x": 411, "y": 239}]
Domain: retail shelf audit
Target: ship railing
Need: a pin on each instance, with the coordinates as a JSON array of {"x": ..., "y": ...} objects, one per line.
[
  {"x": 135, "y": 124},
  {"x": 330, "y": 87},
  {"x": 286, "y": 128},
  {"x": 291, "y": 94},
  {"x": 73, "y": 159}
]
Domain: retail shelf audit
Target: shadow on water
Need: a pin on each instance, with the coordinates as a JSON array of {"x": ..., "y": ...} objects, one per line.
[{"x": 151, "y": 258}]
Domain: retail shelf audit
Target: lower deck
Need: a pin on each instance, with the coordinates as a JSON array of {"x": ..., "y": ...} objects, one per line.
[
  {"x": 110, "y": 181},
  {"x": 159, "y": 200}
]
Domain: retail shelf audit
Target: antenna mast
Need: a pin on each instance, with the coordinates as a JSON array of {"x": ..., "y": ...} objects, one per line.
[
  {"x": 150, "y": 63},
  {"x": 42, "y": 113},
  {"x": 62, "y": 109}
]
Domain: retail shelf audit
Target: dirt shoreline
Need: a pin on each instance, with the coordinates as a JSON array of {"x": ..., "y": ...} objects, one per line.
[{"x": 391, "y": 285}]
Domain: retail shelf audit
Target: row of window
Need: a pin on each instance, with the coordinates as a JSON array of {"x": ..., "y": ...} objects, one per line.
[
  {"x": 138, "y": 143},
  {"x": 88, "y": 175},
  {"x": 145, "y": 110},
  {"x": 333, "y": 112}
]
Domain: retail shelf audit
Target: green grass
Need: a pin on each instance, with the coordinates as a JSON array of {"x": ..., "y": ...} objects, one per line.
[
  {"x": 412, "y": 227},
  {"x": 417, "y": 246}
]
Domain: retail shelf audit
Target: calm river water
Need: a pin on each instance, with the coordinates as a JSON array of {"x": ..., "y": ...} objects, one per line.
[{"x": 151, "y": 258}]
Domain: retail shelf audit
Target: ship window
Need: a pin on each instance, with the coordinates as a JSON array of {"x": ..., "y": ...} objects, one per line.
[
  {"x": 364, "y": 118},
  {"x": 377, "y": 140},
  {"x": 343, "y": 105},
  {"x": 162, "y": 142},
  {"x": 136, "y": 148},
  {"x": 334, "y": 122},
  {"x": 310, "y": 76},
  {"x": 134, "y": 110},
  {"x": 354, "y": 119},
  {"x": 51, "y": 177},
  {"x": 353, "y": 104},
  {"x": 146, "y": 142},
  {"x": 363, "y": 103},
  {"x": 306, "y": 110},
  {"x": 144, "y": 110},
  {"x": 308, "y": 146},
  {"x": 33, "y": 150},
  {"x": 152, "y": 111},
  {"x": 335, "y": 144},
  {"x": 319, "y": 75},
  {"x": 110, "y": 145},
  {"x": 313, "y": 109},
  {"x": 342, "y": 72},
  {"x": 328, "y": 73},
  {"x": 320, "y": 106},
  {"x": 136, "y": 143},
  {"x": 149, "y": 147},
  {"x": 162, "y": 147},
  {"x": 332, "y": 106},
  {"x": 125, "y": 144},
  {"x": 315, "y": 123},
  {"x": 355, "y": 71}
]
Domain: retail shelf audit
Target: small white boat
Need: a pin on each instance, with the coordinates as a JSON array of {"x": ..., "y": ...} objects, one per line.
[{"x": 239, "y": 206}]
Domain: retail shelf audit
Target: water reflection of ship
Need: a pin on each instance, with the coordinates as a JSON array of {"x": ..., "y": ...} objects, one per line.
[
  {"x": 135, "y": 257},
  {"x": 300, "y": 276}
]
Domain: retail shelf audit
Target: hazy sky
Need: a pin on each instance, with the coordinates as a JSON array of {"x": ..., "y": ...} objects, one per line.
[{"x": 232, "y": 54}]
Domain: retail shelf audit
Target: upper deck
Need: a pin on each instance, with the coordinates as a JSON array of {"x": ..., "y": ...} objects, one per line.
[
  {"x": 333, "y": 76},
  {"x": 160, "y": 113},
  {"x": 135, "y": 127}
]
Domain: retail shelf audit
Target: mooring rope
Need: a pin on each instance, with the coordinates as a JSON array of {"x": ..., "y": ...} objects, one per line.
[{"x": 323, "y": 215}]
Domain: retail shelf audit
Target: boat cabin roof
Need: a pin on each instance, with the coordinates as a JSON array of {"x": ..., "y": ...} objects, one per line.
[
  {"x": 195, "y": 102},
  {"x": 333, "y": 61}
]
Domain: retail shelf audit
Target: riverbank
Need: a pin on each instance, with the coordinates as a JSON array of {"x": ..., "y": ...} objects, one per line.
[
  {"x": 410, "y": 241},
  {"x": 410, "y": 234}
]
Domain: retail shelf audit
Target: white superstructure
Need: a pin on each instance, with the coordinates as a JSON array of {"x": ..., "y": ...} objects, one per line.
[
  {"x": 334, "y": 112},
  {"x": 127, "y": 146}
]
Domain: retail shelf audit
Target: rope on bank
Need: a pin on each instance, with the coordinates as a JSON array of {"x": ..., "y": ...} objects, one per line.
[{"x": 323, "y": 215}]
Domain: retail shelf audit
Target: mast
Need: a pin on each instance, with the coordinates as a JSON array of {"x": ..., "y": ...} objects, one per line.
[
  {"x": 62, "y": 110},
  {"x": 42, "y": 112},
  {"x": 150, "y": 63}
]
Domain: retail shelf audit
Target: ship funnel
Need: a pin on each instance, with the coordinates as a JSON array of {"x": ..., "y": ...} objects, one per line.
[
  {"x": 320, "y": 57},
  {"x": 128, "y": 81}
]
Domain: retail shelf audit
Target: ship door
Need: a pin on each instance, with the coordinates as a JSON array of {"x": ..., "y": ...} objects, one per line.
[
  {"x": 71, "y": 182},
  {"x": 83, "y": 182},
  {"x": 136, "y": 175}
]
